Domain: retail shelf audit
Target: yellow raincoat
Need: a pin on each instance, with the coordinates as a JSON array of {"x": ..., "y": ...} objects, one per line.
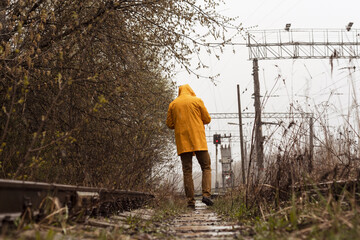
[{"x": 187, "y": 115}]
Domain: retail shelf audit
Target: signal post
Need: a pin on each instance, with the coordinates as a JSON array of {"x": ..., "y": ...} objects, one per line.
[{"x": 216, "y": 141}]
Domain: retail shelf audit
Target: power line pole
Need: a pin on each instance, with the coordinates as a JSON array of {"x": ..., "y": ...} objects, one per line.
[
  {"x": 269, "y": 115},
  {"x": 241, "y": 137},
  {"x": 258, "y": 127},
  {"x": 297, "y": 44}
]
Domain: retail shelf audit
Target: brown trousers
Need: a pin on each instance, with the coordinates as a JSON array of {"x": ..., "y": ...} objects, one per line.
[{"x": 203, "y": 158}]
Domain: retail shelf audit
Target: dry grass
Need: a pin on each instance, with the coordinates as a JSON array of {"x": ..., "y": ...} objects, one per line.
[{"x": 287, "y": 200}]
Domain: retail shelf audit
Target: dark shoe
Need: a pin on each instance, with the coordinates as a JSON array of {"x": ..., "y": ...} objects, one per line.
[
  {"x": 207, "y": 201},
  {"x": 191, "y": 206}
]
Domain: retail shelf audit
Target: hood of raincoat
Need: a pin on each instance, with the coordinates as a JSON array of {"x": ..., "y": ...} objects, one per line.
[
  {"x": 187, "y": 115},
  {"x": 186, "y": 90}
]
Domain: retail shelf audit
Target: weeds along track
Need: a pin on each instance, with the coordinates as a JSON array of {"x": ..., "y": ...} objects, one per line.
[{"x": 35, "y": 200}]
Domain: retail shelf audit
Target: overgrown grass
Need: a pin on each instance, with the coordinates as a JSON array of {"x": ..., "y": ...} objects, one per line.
[
  {"x": 169, "y": 209},
  {"x": 308, "y": 187},
  {"x": 318, "y": 216},
  {"x": 162, "y": 212}
]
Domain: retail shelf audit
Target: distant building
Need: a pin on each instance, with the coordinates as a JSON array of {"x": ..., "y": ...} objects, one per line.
[{"x": 226, "y": 163}]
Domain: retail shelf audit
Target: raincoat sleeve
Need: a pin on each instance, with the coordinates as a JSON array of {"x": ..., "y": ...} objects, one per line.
[
  {"x": 169, "y": 120},
  {"x": 205, "y": 116}
]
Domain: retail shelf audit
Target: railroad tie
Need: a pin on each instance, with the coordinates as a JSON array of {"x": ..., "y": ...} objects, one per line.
[{"x": 203, "y": 223}]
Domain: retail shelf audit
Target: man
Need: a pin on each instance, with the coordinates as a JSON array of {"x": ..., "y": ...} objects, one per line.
[{"x": 187, "y": 115}]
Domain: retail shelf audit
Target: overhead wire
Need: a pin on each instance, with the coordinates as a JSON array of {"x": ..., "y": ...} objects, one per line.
[
  {"x": 321, "y": 91},
  {"x": 288, "y": 11},
  {"x": 334, "y": 83},
  {"x": 286, "y": 87},
  {"x": 292, "y": 92},
  {"x": 272, "y": 10},
  {"x": 255, "y": 10}
]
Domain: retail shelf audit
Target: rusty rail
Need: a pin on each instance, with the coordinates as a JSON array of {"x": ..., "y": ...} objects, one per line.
[{"x": 18, "y": 197}]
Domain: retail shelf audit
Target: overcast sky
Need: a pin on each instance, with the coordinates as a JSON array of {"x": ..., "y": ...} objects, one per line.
[{"x": 299, "y": 78}]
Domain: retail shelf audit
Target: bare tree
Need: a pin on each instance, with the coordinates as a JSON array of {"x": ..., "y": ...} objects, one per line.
[{"x": 85, "y": 85}]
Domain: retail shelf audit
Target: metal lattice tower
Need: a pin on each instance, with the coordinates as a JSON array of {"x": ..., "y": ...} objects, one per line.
[
  {"x": 304, "y": 44},
  {"x": 264, "y": 115},
  {"x": 296, "y": 44}
]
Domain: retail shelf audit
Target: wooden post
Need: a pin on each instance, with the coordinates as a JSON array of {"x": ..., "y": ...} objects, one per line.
[
  {"x": 258, "y": 128},
  {"x": 241, "y": 138},
  {"x": 311, "y": 143}
]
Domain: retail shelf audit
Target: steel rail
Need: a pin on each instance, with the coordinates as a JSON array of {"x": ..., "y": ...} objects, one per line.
[{"x": 18, "y": 197}]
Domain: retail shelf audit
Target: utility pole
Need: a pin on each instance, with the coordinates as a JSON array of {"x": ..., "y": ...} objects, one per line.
[
  {"x": 241, "y": 137},
  {"x": 271, "y": 115},
  {"x": 297, "y": 44},
  {"x": 258, "y": 127}
]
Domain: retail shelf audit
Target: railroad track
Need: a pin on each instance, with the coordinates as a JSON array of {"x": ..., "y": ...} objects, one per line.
[{"x": 24, "y": 197}]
